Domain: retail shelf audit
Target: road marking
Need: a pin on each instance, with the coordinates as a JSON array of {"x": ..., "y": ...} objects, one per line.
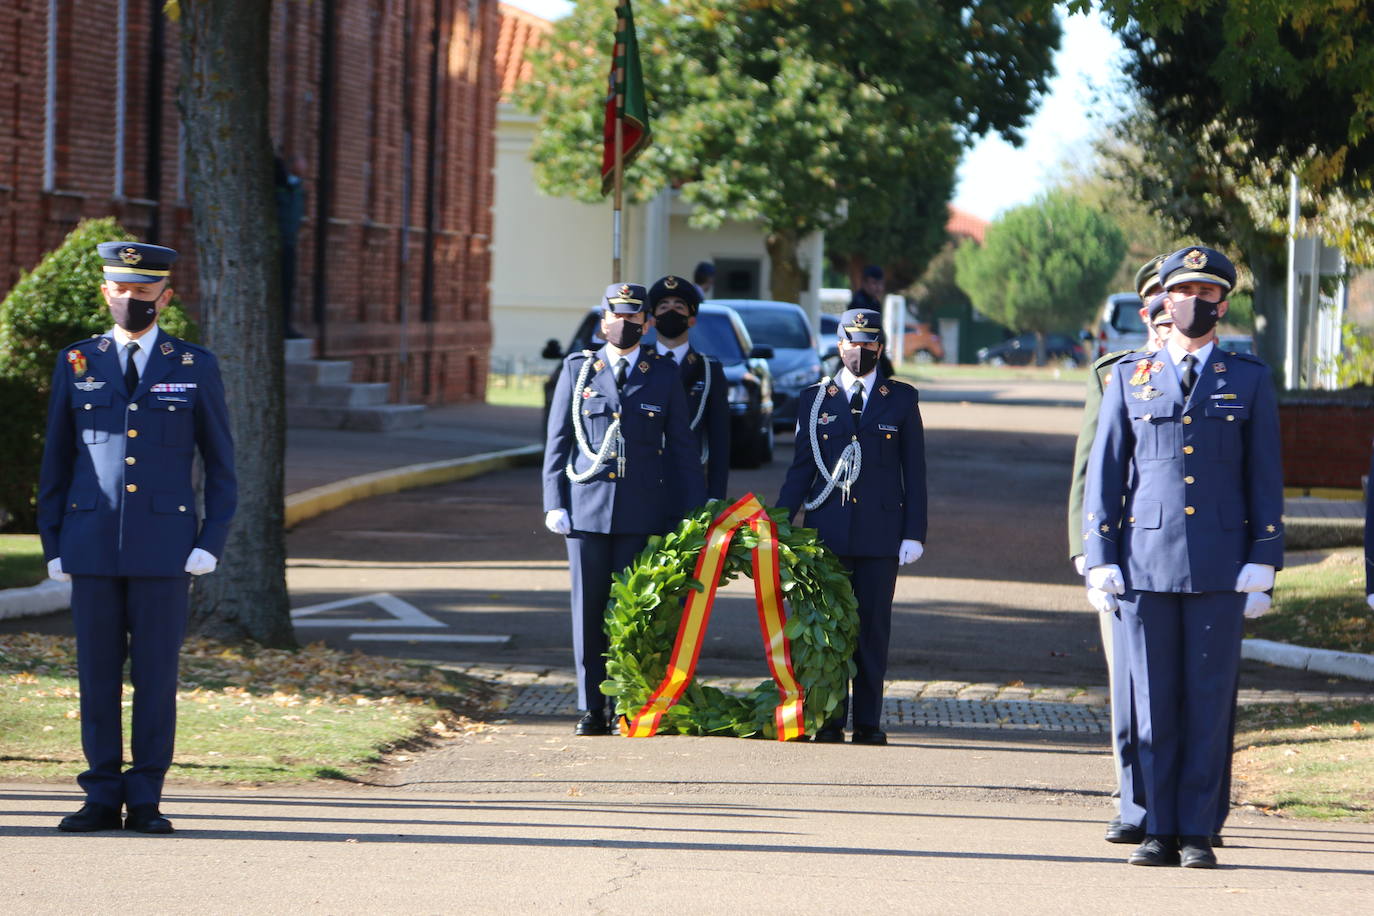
[
  {"x": 432, "y": 637},
  {"x": 403, "y": 614}
]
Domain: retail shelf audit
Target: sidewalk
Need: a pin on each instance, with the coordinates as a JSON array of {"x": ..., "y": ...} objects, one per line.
[{"x": 525, "y": 818}]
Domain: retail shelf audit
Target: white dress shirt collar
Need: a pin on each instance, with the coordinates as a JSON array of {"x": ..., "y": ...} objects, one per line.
[
  {"x": 612, "y": 360},
  {"x": 1176, "y": 353},
  {"x": 145, "y": 345},
  {"x": 846, "y": 380},
  {"x": 679, "y": 353}
]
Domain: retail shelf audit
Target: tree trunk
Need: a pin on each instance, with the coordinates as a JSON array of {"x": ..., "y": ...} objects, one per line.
[
  {"x": 224, "y": 105},
  {"x": 788, "y": 278},
  {"x": 1040, "y": 348},
  {"x": 1271, "y": 309}
]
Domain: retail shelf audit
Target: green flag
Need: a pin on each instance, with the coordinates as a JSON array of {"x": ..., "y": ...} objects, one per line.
[{"x": 624, "y": 100}]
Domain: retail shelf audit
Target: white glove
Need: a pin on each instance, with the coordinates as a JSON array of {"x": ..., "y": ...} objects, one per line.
[
  {"x": 1080, "y": 564},
  {"x": 1255, "y": 577},
  {"x": 909, "y": 552},
  {"x": 1103, "y": 601},
  {"x": 558, "y": 521},
  {"x": 55, "y": 570},
  {"x": 201, "y": 562},
  {"x": 1369, "y": 599},
  {"x": 1257, "y": 604},
  {"x": 1108, "y": 578}
]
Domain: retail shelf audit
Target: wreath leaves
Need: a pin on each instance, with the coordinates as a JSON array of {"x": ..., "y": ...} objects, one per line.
[{"x": 645, "y": 610}]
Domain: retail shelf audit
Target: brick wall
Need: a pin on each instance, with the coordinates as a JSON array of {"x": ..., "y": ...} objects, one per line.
[
  {"x": 387, "y": 54},
  {"x": 1325, "y": 444}
]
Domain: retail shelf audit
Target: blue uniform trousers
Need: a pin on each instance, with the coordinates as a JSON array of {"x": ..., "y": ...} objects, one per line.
[
  {"x": 1125, "y": 728},
  {"x": 874, "y": 580},
  {"x": 1184, "y": 663},
  {"x": 142, "y": 619},
  {"x": 593, "y": 558}
]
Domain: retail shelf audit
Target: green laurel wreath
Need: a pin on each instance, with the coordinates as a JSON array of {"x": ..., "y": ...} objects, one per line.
[{"x": 645, "y": 610}]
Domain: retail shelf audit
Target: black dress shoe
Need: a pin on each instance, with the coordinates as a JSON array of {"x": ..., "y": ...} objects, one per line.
[
  {"x": 90, "y": 818},
  {"x": 869, "y": 734},
  {"x": 592, "y": 723},
  {"x": 830, "y": 734},
  {"x": 1196, "y": 852},
  {"x": 147, "y": 819},
  {"x": 1118, "y": 832},
  {"x": 1156, "y": 850}
]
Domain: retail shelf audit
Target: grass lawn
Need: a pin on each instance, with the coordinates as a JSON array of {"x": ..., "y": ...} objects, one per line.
[
  {"x": 21, "y": 561},
  {"x": 1308, "y": 761},
  {"x": 516, "y": 390},
  {"x": 245, "y": 715},
  {"x": 1319, "y": 601}
]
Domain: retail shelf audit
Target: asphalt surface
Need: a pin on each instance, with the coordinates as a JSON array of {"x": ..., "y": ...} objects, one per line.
[
  {"x": 993, "y": 599},
  {"x": 523, "y": 817}
]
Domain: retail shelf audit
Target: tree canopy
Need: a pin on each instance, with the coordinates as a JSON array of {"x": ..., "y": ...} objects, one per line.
[
  {"x": 1043, "y": 266},
  {"x": 796, "y": 114}
]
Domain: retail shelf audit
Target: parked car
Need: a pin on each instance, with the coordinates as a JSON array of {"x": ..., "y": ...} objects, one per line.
[
  {"x": 1119, "y": 325},
  {"x": 1060, "y": 349},
  {"x": 719, "y": 332},
  {"x": 920, "y": 344},
  {"x": 795, "y": 363},
  {"x": 1236, "y": 343}
]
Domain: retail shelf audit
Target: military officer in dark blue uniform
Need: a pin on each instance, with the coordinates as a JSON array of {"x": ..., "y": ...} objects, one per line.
[
  {"x": 1128, "y": 824},
  {"x": 117, "y": 514},
  {"x": 859, "y": 471},
  {"x": 1183, "y": 515},
  {"x": 620, "y": 464},
  {"x": 673, "y": 303}
]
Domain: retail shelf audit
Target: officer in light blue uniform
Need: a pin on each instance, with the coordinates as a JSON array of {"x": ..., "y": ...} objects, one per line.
[
  {"x": 1182, "y": 516},
  {"x": 673, "y": 303},
  {"x": 859, "y": 471},
  {"x": 620, "y": 464},
  {"x": 117, "y": 515}
]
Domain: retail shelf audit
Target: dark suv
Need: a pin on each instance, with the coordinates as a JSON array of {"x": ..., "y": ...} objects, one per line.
[{"x": 719, "y": 333}]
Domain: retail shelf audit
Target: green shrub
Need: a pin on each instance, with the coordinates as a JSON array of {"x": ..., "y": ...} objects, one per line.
[
  {"x": 1356, "y": 364},
  {"x": 55, "y": 305}
]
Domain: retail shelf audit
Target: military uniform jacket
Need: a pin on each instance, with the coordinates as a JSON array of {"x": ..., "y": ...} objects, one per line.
[
  {"x": 887, "y": 503},
  {"x": 713, "y": 432},
  {"x": 115, "y": 494},
  {"x": 661, "y": 480},
  {"x": 1180, "y": 494}
]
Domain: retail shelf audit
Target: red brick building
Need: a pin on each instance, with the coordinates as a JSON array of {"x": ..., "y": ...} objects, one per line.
[{"x": 391, "y": 105}]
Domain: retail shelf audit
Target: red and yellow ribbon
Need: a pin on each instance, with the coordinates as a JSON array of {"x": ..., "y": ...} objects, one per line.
[{"x": 697, "y": 613}]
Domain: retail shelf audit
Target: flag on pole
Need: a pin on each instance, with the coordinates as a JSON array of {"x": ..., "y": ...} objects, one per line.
[{"x": 624, "y": 100}]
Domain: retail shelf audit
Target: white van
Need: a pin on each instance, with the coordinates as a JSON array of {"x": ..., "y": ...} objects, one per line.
[{"x": 1119, "y": 326}]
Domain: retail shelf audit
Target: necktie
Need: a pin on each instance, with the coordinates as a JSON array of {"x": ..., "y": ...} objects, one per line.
[
  {"x": 856, "y": 399},
  {"x": 622, "y": 366},
  {"x": 130, "y": 367},
  {"x": 1188, "y": 374}
]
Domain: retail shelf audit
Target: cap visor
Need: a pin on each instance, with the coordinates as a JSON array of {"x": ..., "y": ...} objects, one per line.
[{"x": 1195, "y": 276}]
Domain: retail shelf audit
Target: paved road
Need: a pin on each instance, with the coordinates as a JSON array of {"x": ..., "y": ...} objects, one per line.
[
  {"x": 528, "y": 819},
  {"x": 993, "y": 599}
]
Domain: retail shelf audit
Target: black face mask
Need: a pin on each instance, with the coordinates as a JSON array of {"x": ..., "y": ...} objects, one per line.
[
  {"x": 1194, "y": 317},
  {"x": 671, "y": 325},
  {"x": 859, "y": 361},
  {"x": 623, "y": 334},
  {"x": 131, "y": 314}
]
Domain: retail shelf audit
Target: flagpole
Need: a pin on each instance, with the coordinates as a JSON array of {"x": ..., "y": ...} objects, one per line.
[
  {"x": 618, "y": 68},
  {"x": 619, "y": 173}
]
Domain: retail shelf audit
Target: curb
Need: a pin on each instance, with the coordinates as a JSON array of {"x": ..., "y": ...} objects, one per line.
[
  {"x": 43, "y": 598},
  {"x": 1320, "y": 661},
  {"x": 49, "y": 596},
  {"x": 318, "y": 500}
]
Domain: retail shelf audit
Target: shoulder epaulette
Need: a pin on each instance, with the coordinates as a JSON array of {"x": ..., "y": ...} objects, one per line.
[
  {"x": 1108, "y": 359},
  {"x": 1250, "y": 357}
]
